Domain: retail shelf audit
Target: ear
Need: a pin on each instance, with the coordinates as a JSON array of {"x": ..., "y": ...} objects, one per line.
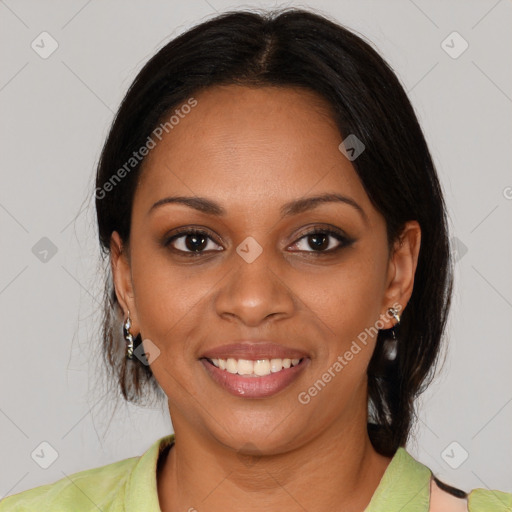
[
  {"x": 401, "y": 269},
  {"x": 121, "y": 273}
]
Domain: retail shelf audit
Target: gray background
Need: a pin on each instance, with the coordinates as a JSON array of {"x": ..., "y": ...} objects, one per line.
[{"x": 55, "y": 113}]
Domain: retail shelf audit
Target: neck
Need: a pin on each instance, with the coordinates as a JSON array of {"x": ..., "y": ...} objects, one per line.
[{"x": 336, "y": 470}]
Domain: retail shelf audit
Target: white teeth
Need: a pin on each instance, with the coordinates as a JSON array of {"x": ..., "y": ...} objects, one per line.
[
  {"x": 245, "y": 367},
  {"x": 258, "y": 368},
  {"x": 262, "y": 367},
  {"x": 231, "y": 365},
  {"x": 276, "y": 365}
]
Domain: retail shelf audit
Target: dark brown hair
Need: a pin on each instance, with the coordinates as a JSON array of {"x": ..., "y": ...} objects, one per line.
[{"x": 299, "y": 48}]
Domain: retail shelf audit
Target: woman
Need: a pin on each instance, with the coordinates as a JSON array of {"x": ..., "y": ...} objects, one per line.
[{"x": 281, "y": 269}]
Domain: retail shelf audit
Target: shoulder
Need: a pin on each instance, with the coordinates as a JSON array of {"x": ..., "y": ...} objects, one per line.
[
  {"x": 446, "y": 499},
  {"x": 483, "y": 500},
  {"x": 91, "y": 489},
  {"x": 441, "y": 500}
]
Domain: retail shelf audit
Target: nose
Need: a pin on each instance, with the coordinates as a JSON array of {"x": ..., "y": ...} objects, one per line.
[{"x": 253, "y": 291}]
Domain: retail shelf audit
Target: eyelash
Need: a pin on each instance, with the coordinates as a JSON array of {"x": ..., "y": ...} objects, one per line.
[{"x": 338, "y": 235}]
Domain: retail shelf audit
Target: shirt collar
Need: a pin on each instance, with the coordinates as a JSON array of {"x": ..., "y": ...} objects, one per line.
[
  {"x": 141, "y": 493},
  {"x": 404, "y": 486}
]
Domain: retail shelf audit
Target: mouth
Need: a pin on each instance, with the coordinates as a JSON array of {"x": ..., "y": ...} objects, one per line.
[{"x": 260, "y": 378}]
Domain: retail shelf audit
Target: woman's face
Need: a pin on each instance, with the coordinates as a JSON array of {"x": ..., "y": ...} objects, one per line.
[{"x": 256, "y": 274}]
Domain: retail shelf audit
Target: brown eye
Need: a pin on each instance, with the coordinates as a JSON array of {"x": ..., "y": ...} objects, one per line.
[
  {"x": 193, "y": 241},
  {"x": 323, "y": 241}
]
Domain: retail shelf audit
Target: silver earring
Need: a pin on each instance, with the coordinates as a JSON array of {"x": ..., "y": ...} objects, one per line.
[
  {"x": 391, "y": 345},
  {"x": 128, "y": 337}
]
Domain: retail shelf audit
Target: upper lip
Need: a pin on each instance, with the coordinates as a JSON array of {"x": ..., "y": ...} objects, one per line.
[{"x": 253, "y": 350}]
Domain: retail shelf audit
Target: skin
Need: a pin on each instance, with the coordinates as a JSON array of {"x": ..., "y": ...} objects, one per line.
[{"x": 251, "y": 150}]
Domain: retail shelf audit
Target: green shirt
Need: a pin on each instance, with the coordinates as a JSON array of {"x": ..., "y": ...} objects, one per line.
[{"x": 130, "y": 485}]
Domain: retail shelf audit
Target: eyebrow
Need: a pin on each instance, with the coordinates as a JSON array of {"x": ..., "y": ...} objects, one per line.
[{"x": 207, "y": 206}]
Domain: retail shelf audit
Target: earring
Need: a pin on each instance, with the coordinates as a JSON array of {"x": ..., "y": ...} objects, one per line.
[
  {"x": 128, "y": 337},
  {"x": 391, "y": 345}
]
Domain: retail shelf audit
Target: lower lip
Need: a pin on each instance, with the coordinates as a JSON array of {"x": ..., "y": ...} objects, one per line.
[{"x": 254, "y": 387}]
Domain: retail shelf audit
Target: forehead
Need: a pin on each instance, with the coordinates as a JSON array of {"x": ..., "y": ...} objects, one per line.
[{"x": 253, "y": 145}]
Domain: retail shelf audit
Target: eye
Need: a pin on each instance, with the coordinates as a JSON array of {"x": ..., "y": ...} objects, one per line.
[
  {"x": 321, "y": 240},
  {"x": 194, "y": 242},
  {"x": 191, "y": 242}
]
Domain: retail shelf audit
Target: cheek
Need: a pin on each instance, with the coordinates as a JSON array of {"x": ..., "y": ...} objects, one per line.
[
  {"x": 169, "y": 300},
  {"x": 347, "y": 298}
]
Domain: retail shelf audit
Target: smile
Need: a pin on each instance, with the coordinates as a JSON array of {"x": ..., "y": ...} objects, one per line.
[
  {"x": 257, "y": 368},
  {"x": 254, "y": 379}
]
